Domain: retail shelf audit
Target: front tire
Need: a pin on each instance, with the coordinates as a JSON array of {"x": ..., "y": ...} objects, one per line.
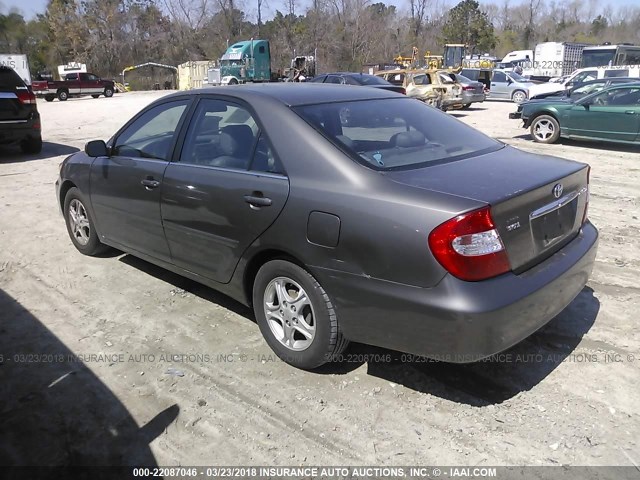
[
  {"x": 545, "y": 129},
  {"x": 296, "y": 316},
  {"x": 80, "y": 224},
  {"x": 108, "y": 92}
]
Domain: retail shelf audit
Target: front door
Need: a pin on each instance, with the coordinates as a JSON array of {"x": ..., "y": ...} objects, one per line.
[
  {"x": 126, "y": 187},
  {"x": 499, "y": 85},
  {"x": 226, "y": 190},
  {"x": 613, "y": 114}
]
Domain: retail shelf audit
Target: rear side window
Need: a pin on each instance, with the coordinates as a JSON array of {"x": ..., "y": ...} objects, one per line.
[
  {"x": 221, "y": 134},
  {"x": 10, "y": 79},
  {"x": 394, "y": 134}
]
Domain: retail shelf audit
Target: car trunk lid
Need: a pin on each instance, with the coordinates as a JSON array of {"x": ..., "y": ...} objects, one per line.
[
  {"x": 537, "y": 202},
  {"x": 15, "y": 98}
]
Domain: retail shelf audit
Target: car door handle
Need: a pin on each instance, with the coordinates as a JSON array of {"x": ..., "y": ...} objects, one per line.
[
  {"x": 630, "y": 112},
  {"x": 150, "y": 183},
  {"x": 257, "y": 201}
]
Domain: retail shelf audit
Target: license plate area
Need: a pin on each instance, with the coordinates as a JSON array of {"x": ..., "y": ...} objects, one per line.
[{"x": 554, "y": 225}]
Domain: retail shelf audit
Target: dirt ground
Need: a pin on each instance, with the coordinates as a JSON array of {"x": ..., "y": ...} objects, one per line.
[{"x": 112, "y": 360}]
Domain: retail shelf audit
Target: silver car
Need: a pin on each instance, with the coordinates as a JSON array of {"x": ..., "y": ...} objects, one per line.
[{"x": 509, "y": 85}]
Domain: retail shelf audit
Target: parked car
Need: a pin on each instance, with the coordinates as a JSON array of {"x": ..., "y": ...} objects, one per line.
[
  {"x": 509, "y": 85},
  {"x": 611, "y": 115},
  {"x": 472, "y": 91},
  {"x": 362, "y": 79},
  {"x": 74, "y": 85},
  {"x": 19, "y": 117},
  {"x": 584, "y": 88},
  {"x": 581, "y": 76},
  {"x": 415, "y": 232},
  {"x": 427, "y": 86}
]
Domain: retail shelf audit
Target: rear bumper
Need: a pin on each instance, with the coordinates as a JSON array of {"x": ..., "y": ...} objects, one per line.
[
  {"x": 16, "y": 132},
  {"x": 459, "y": 321},
  {"x": 473, "y": 98}
]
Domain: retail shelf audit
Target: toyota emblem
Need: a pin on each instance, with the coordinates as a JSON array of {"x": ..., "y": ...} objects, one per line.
[{"x": 557, "y": 190}]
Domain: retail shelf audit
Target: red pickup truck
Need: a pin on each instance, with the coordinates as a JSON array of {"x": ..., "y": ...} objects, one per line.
[{"x": 73, "y": 85}]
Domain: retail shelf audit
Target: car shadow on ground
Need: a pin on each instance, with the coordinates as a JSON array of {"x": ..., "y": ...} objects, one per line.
[
  {"x": 488, "y": 382},
  {"x": 501, "y": 377},
  {"x": 54, "y": 411},
  {"x": 188, "y": 285},
  {"x": 13, "y": 154}
]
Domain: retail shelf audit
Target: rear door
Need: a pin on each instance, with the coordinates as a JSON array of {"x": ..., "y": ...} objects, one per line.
[
  {"x": 126, "y": 187},
  {"x": 13, "y": 110},
  {"x": 613, "y": 114},
  {"x": 227, "y": 188}
]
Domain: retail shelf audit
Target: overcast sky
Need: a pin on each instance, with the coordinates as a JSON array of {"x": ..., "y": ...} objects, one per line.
[{"x": 29, "y": 8}]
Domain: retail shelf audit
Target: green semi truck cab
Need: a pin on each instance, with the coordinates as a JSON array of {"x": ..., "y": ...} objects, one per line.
[{"x": 246, "y": 61}]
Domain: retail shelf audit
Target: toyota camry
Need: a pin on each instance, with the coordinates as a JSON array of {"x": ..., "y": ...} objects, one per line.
[{"x": 340, "y": 214}]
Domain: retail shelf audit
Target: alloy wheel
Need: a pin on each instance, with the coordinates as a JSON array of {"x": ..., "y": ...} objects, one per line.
[
  {"x": 289, "y": 313},
  {"x": 79, "y": 221},
  {"x": 543, "y": 130}
]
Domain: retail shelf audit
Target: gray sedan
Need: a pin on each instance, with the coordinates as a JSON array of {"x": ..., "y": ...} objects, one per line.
[
  {"x": 472, "y": 91},
  {"x": 402, "y": 228}
]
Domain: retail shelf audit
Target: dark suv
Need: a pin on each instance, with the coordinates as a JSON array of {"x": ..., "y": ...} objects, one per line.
[{"x": 19, "y": 117}]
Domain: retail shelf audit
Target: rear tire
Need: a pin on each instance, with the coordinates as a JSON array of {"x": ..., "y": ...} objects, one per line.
[
  {"x": 545, "y": 129},
  {"x": 31, "y": 145},
  {"x": 49, "y": 98},
  {"x": 466, "y": 105},
  {"x": 108, "y": 92},
  {"x": 302, "y": 326},
  {"x": 95, "y": 96},
  {"x": 80, "y": 224},
  {"x": 519, "y": 96},
  {"x": 63, "y": 95}
]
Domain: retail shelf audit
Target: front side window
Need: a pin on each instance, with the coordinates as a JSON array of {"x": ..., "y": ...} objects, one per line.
[
  {"x": 390, "y": 134},
  {"x": 221, "y": 134},
  {"x": 616, "y": 73},
  {"x": 333, "y": 79},
  {"x": 151, "y": 134},
  {"x": 499, "y": 77}
]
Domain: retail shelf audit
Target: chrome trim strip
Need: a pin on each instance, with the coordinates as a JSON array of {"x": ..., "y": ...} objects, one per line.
[
  {"x": 3, "y": 122},
  {"x": 561, "y": 202},
  {"x": 10, "y": 95}
]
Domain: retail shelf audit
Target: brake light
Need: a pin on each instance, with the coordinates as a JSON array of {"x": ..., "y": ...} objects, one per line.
[
  {"x": 26, "y": 97},
  {"x": 586, "y": 205},
  {"x": 469, "y": 246},
  {"x": 468, "y": 87}
]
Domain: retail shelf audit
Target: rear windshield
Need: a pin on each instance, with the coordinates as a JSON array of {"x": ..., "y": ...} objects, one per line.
[
  {"x": 397, "y": 133},
  {"x": 371, "y": 80},
  {"x": 10, "y": 79}
]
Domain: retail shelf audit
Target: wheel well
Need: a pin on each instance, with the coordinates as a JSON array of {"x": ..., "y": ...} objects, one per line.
[
  {"x": 538, "y": 114},
  {"x": 257, "y": 261},
  {"x": 64, "y": 188}
]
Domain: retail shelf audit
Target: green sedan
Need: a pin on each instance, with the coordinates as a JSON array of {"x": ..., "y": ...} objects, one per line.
[{"x": 610, "y": 115}]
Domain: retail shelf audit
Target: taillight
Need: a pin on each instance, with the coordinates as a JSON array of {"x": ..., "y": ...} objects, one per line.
[
  {"x": 26, "y": 97},
  {"x": 469, "y": 246},
  {"x": 468, "y": 87},
  {"x": 586, "y": 205}
]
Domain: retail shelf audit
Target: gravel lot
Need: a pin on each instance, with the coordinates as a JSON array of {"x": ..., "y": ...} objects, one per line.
[{"x": 110, "y": 360}]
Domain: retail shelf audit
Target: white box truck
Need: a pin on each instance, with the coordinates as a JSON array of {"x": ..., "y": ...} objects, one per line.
[
  {"x": 19, "y": 63},
  {"x": 554, "y": 59}
]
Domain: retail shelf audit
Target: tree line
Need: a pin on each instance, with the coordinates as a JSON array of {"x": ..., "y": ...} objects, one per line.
[{"x": 109, "y": 35}]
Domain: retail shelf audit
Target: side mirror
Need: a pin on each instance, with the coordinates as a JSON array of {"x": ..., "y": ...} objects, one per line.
[{"x": 96, "y": 148}]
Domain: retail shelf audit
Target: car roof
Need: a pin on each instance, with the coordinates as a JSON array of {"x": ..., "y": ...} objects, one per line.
[
  {"x": 612, "y": 79},
  {"x": 294, "y": 94}
]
